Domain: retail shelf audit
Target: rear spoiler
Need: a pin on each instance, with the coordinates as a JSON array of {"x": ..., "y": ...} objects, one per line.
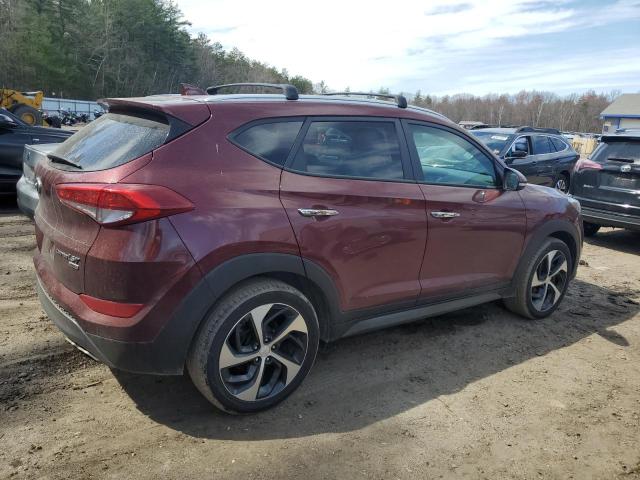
[{"x": 183, "y": 108}]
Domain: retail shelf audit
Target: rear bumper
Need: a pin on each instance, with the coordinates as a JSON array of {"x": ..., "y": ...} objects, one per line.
[
  {"x": 152, "y": 357},
  {"x": 610, "y": 219},
  {"x": 164, "y": 355},
  {"x": 27, "y": 197}
]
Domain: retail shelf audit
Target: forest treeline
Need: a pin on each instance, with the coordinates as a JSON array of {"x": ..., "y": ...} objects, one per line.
[
  {"x": 575, "y": 113},
  {"x": 89, "y": 49}
]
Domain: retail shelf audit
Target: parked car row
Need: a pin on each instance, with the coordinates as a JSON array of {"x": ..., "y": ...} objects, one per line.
[{"x": 14, "y": 135}]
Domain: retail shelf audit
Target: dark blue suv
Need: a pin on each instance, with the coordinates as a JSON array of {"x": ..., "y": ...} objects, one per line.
[{"x": 541, "y": 154}]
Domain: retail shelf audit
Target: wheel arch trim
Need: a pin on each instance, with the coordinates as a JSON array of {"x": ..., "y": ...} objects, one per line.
[{"x": 560, "y": 229}]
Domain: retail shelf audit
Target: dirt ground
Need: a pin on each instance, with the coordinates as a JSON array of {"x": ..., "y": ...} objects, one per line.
[{"x": 476, "y": 394}]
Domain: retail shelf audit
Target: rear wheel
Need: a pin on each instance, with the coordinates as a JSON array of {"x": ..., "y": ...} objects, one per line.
[
  {"x": 562, "y": 183},
  {"x": 590, "y": 229},
  {"x": 544, "y": 281},
  {"x": 256, "y": 346},
  {"x": 27, "y": 114}
]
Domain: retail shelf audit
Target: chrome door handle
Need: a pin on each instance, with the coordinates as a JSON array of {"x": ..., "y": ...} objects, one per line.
[
  {"x": 317, "y": 212},
  {"x": 444, "y": 214}
]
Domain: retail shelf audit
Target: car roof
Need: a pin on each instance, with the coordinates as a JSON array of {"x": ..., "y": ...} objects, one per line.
[
  {"x": 341, "y": 99},
  {"x": 305, "y": 105},
  {"x": 503, "y": 130}
]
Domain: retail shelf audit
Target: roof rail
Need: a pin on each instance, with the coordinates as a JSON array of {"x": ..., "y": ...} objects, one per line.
[
  {"x": 290, "y": 92},
  {"x": 401, "y": 101},
  {"x": 555, "y": 131}
]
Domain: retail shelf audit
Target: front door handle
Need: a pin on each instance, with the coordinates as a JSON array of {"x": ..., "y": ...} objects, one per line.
[
  {"x": 445, "y": 214},
  {"x": 317, "y": 212}
]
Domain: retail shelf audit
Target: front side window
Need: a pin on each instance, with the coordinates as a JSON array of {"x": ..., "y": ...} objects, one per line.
[
  {"x": 270, "y": 141},
  {"x": 542, "y": 145},
  {"x": 357, "y": 149},
  {"x": 449, "y": 159},
  {"x": 520, "y": 145}
]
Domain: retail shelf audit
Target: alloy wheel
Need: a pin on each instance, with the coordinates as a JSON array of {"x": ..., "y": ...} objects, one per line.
[
  {"x": 549, "y": 280},
  {"x": 561, "y": 185},
  {"x": 263, "y": 352}
]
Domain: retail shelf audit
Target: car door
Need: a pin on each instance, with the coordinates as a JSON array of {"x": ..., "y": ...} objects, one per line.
[
  {"x": 355, "y": 209},
  {"x": 527, "y": 165},
  {"x": 12, "y": 141},
  {"x": 476, "y": 228},
  {"x": 545, "y": 155}
]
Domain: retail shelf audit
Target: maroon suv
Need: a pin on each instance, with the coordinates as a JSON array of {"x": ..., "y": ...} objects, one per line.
[{"x": 228, "y": 234}]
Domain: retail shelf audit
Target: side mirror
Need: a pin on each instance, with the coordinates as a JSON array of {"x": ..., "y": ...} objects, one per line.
[
  {"x": 518, "y": 154},
  {"x": 7, "y": 122},
  {"x": 513, "y": 180}
]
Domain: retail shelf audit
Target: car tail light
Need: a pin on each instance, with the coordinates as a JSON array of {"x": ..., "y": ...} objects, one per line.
[
  {"x": 586, "y": 164},
  {"x": 121, "y": 203},
  {"x": 114, "y": 309}
]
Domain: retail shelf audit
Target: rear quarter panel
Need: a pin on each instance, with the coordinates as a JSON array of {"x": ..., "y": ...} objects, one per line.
[{"x": 236, "y": 196}]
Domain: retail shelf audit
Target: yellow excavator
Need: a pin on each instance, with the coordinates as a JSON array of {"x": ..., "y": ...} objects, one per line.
[{"x": 24, "y": 105}]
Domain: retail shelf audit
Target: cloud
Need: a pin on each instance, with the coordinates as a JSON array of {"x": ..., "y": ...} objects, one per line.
[
  {"x": 444, "y": 9},
  {"x": 451, "y": 46}
]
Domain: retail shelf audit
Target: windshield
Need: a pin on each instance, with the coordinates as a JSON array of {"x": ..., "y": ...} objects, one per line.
[
  {"x": 622, "y": 151},
  {"x": 495, "y": 141},
  {"x": 112, "y": 140}
]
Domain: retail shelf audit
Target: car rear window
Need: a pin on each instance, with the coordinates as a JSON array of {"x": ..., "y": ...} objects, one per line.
[
  {"x": 627, "y": 151},
  {"x": 270, "y": 141},
  {"x": 112, "y": 140}
]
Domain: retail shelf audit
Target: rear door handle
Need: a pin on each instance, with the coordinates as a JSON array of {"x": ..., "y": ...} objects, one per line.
[
  {"x": 317, "y": 212},
  {"x": 445, "y": 214}
]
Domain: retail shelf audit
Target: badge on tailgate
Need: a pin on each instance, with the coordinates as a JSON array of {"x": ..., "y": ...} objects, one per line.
[{"x": 72, "y": 260}]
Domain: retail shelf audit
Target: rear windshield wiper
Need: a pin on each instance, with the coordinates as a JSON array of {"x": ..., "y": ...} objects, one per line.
[
  {"x": 63, "y": 161},
  {"x": 622, "y": 159}
]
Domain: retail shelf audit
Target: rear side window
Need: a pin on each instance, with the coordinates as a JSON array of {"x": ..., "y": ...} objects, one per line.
[
  {"x": 269, "y": 141},
  {"x": 351, "y": 149},
  {"x": 559, "y": 144},
  {"x": 112, "y": 140},
  {"x": 542, "y": 145}
]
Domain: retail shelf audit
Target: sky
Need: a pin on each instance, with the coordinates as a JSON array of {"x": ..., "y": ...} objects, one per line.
[{"x": 438, "y": 47}]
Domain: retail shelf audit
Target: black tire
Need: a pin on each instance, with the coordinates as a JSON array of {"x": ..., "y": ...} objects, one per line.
[
  {"x": 590, "y": 229},
  {"x": 523, "y": 302},
  {"x": 27, "y": 114},
  {"x": 562, "y": 183},
  {"x": 226, "y": 318}
]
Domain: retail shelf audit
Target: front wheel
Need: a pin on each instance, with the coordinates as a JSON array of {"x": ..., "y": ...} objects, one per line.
[
  {"x": 256, "y": 346},
  {"x": 543, "y": 283}
]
